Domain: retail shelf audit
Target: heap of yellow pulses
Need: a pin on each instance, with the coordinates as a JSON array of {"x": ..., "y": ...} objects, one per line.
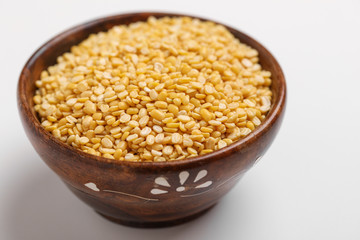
[{"x": 160, "y": 90}]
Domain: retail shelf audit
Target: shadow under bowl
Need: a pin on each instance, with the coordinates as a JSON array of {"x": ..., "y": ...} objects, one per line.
[{"x": 150, "y": 194}]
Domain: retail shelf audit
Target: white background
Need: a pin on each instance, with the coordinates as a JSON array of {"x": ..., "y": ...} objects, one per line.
[{"x": 307, "y": 186}]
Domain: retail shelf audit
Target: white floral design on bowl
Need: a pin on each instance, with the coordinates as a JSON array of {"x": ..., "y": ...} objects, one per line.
[{"x": 162, "y": 185}]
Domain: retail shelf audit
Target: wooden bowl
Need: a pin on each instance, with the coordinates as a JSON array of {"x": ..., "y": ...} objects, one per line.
[{"x": 149, "y": 194}]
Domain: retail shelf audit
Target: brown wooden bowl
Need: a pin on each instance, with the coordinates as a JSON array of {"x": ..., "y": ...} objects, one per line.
[{"x": 148, "y": 194}]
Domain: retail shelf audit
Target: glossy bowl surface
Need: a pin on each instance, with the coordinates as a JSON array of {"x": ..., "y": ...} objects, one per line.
[{"x": 148, "y": 194}]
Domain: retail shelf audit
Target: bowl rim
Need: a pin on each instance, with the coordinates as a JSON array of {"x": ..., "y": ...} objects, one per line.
[{"x": 272, "y": 116}]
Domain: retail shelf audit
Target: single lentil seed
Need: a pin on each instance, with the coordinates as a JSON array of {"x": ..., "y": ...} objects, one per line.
[{"x": 107, "y": 143}]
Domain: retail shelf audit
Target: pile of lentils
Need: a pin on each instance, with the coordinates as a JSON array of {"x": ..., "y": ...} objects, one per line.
[{"x": 161, "y": 90}]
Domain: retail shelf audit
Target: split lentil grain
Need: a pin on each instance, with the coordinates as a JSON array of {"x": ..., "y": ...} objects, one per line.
[{"x": 160, "y": 90}]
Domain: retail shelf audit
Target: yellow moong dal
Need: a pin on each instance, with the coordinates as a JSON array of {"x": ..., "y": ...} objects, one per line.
[{"x": 161, "y": 90}]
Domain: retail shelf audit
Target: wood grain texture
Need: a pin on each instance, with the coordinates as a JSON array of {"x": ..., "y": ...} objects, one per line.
[{"x": 123, "y": 191}]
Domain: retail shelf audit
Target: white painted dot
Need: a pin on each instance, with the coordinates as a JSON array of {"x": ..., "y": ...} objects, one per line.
[
  {"x": 204, "y": 185},
  {"x": 156, "y": 191},
  {"x": 200, "y": 175},
  {"x": 92, "y": 186},
  {"x": 183, "y": 177},
  {"x": 180, "y": 189},
  {"x": 162, "y": 181}
]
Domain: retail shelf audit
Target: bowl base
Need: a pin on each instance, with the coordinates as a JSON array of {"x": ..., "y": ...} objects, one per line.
[{"x": 156, "y": 224}]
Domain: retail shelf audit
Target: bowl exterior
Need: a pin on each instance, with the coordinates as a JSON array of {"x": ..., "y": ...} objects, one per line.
[
  {"x": 144, "y": 194},
  {"x": 149, "y": 194}
]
